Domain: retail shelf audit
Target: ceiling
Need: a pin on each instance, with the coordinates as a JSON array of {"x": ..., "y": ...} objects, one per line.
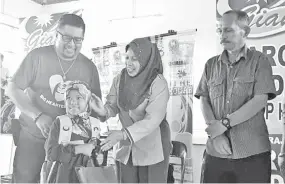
[{"x": 48, "y": 2}]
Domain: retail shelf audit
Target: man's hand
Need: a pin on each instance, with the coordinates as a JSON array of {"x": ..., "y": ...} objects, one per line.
[
  {"x": 215, "y": 128},
  {"x": 222, "y": 145},
  {"x": 44, "y": 123},
  {"x": 281, "y": 163}
]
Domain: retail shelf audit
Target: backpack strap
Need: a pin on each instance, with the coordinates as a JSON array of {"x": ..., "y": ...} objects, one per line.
[
  {"x": 95, "y": 126},
  {"x": 65, "y": 129}
]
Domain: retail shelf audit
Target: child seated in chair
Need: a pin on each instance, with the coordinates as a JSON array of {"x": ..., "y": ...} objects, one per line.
[{"x": 73, "y": 136}]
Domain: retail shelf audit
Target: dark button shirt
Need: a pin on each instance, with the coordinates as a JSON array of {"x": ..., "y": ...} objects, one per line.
[{"x": 229, "y": 86}]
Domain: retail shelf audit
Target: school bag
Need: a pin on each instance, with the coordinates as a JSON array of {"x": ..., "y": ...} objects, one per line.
[{"x": 48, "y": 168}]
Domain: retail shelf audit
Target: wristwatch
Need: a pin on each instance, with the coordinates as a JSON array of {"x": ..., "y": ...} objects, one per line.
[{"x": 226, "y": 123}]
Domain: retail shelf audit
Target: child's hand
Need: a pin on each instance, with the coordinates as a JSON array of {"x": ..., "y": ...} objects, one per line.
[
  {"x": 94, "y": 141},
  {"x": 96, "y": 105},
  {"x": 85, "y": 149}
]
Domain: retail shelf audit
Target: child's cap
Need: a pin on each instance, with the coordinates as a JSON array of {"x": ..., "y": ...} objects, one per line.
[{"x": 79, "y": 86}]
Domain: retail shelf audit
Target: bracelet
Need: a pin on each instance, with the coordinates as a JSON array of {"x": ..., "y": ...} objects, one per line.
[{"x": 38, "y": 116}]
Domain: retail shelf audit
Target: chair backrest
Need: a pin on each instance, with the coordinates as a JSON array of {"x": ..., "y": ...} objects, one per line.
[{"x": 180, "y": 150}]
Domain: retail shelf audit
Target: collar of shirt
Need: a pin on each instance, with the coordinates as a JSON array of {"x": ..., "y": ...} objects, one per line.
[{"x": 242, "y": 54}]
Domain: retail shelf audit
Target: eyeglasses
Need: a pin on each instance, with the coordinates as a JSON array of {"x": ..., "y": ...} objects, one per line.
[{"x": 67, "y": 39}]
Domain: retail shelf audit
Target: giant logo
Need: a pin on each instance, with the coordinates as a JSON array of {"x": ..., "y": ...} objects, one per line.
[
  {"x": 267, "y": 17},
  {"x": 39, "y": 31}
]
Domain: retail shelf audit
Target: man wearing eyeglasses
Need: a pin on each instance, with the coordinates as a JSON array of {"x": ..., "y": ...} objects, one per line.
[{"x": 45, "y": 72}]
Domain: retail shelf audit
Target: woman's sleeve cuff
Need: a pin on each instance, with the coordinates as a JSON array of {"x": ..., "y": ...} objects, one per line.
[{"x": 126, "y": 131}]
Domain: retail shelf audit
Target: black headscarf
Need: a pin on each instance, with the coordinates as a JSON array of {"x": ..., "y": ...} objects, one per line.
[{"x": 134, "y": 90}]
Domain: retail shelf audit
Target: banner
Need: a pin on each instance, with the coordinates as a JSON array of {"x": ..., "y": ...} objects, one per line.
[
  {"x": 177, "y": 57},
  {"x": 276, "y": 141},
  {"x": 267, "y": 35},
  {"x": 39, "y": 30}
]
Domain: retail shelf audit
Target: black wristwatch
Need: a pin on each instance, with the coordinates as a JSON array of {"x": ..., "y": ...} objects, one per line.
[{"x": 226, "y": 123}]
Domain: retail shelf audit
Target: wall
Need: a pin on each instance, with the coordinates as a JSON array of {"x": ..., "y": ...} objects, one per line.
[
  {"x": 178, "y": 15},
  {"x": 21, "y": 8},
  {"x": 198, "y": 151},
  {"x": 10, "y": 37}
]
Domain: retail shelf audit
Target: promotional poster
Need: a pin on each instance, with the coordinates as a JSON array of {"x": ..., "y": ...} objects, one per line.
[{"x": 267, "y": 35}]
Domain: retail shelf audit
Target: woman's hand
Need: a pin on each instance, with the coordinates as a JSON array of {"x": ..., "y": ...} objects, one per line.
[
  {"x": 96, "y": 105},
  {"x": 114, "y": 136}
]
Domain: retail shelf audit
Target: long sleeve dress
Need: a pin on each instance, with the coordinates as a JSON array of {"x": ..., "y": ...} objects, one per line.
[
  {"x": 65, "y": 154},
  {"x": 147, "y": 129}
]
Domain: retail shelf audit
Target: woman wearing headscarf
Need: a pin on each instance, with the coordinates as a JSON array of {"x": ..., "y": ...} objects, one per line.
[{"x": 139, "y": 94}]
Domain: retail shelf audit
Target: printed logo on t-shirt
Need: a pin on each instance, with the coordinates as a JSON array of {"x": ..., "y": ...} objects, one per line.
[{"x": 57, "y": 88}]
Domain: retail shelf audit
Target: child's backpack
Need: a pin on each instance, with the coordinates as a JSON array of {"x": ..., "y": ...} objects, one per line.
[
  {"x": 66, "y": 130},
  {"x": 64, "y": 138}
]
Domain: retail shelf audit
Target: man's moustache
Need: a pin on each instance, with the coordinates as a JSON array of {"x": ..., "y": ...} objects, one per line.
[{"x": 224, "y": 41}]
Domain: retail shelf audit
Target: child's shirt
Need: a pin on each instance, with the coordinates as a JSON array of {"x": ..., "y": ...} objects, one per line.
[{"x": 65, "y": 154}]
